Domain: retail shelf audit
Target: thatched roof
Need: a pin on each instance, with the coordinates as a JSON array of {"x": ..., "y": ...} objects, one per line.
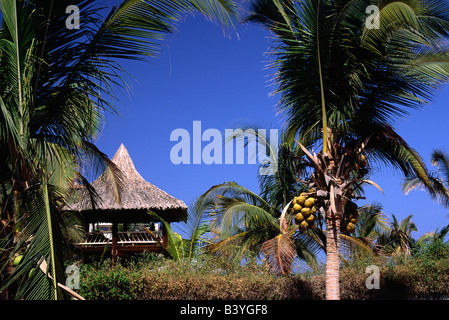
[{"x": 132, "y": 200}]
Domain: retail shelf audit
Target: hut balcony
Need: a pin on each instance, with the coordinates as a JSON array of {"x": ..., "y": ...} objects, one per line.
[{"x": 123, "y": 243}]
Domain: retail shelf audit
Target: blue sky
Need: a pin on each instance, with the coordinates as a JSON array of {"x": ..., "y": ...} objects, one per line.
[{"x": 201, "y": 75}]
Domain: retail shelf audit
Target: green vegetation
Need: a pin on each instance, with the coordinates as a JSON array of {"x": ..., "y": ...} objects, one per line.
[
  {"x": 342, "y": 88},
  {"x": 423, "y": 276}
]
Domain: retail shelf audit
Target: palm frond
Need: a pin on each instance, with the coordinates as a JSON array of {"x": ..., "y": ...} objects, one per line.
[{"x": 280, "y": 252}]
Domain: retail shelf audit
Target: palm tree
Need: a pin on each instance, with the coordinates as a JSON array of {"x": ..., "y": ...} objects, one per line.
[
  {"x": 248, "y": 223},
  {"x": 397, "y": 239},
  {"x": 344, "y": 86},
  {"x": 245, "y": 224},
  {"x": 56, "y": 84},
  {"x": 439, "y": 180}
]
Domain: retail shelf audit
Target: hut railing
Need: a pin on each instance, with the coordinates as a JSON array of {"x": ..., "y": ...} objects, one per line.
[
  {"x": 123, "y": 237},
  {"x": 131, "y": 237}
]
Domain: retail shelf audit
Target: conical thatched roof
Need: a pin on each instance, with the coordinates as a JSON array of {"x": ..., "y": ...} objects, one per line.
[{"x": 132, "y": 200}]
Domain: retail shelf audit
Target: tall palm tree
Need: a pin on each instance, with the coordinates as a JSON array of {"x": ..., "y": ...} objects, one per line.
[
  {"x": 439, "y": 180},
  {"x": 56, "y": 84},
  {"x": 345, "y": 85}
]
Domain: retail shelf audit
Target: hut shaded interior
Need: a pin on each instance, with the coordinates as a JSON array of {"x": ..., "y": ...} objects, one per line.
[{"x": 124, "y": 198}]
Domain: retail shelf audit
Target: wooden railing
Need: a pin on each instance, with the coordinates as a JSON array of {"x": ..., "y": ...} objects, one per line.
[{"x": 123, "y": 237}]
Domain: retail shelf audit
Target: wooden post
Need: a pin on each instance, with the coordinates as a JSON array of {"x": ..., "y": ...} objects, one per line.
[
  {"x": 114, "y": 243},
  {"x": 164, "y": 236}
]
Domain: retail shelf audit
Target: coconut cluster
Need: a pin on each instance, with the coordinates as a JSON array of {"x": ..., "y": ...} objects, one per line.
[
  {"x": 361, "y": 162},
  {"x": 304, "y": 209},
  {"x": 350, "y": 218}
]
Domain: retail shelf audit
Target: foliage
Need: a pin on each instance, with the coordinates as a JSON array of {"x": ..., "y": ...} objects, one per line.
[
  {"x": 439, "y": 180},
  {"x": 107, "y": 283},
  {"x": 57, "y": 84},
  {"x": 211, "y": 277},
  {"x": 243, "y": 221}
]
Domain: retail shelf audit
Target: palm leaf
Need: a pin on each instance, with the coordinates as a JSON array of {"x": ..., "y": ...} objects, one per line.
[{"x": 280, "y": 252}]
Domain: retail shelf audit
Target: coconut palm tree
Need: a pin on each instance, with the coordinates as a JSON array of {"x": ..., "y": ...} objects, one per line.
[
  {"x": 245, "y": 222},
  {"x": 345, "y": 85},
  {"x": 439, "y": 180},
  {"x": 56, "y": 84}
]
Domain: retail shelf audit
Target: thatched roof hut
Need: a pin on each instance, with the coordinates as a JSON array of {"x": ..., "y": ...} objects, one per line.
[{"x": 131, "y": 201}]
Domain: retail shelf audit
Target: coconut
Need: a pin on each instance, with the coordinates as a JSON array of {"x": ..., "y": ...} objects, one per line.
[
  {"x": 300, "y": 200},
  {"x": 313, "y": 210},
  {"x": 297, "y": 208},
  {"x": 17, "y": 260},
  {"x": 362, "y": 160},
  {"x": 309, "y": 202},
  {"x": 303, "y": 225},
  {"x": 310, "y": 218},
  {"x": 350, "y": 227},
  {"x": 354, "y": 220},
  {"x": 299, "y": 218},
  {"x": 306, "y": 212}
]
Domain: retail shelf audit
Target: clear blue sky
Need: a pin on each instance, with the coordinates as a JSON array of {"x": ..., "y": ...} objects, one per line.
[{"x": 223, "y": 82}]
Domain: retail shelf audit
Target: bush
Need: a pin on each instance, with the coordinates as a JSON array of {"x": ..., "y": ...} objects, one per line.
[
  {"x": 436, "y": 250},
  {"x": 105, "y": 283},
  {"x": 203, "y": 279},
  {"x": 208, "y": 277}
]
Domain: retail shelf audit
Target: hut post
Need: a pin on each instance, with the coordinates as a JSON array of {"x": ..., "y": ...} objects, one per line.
[
  {"x": 114, "y": 242},
  {"x": 164, "y": 236}
]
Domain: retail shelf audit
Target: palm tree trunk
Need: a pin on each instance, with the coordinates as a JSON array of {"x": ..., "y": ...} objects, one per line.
[{"x": 333, "y": 257}]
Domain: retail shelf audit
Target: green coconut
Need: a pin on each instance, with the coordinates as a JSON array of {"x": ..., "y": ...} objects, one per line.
[
  {"x": 31, "y": 272},
  {"x": 17, "y": 260}
]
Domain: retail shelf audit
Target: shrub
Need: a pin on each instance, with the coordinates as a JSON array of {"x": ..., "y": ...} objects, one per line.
[
  {"x": 207, "y": 277},
  {"x": 105, "y": 283}
]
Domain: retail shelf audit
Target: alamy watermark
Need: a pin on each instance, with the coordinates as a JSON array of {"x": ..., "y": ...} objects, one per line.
[
  {"x": 73, "y": 20},
  {"x": 189, "y": 148},
  {"x": 73, "y": 277},
  {"x": 373, "y": 20},
  {"x": 373, "y": 280}
]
